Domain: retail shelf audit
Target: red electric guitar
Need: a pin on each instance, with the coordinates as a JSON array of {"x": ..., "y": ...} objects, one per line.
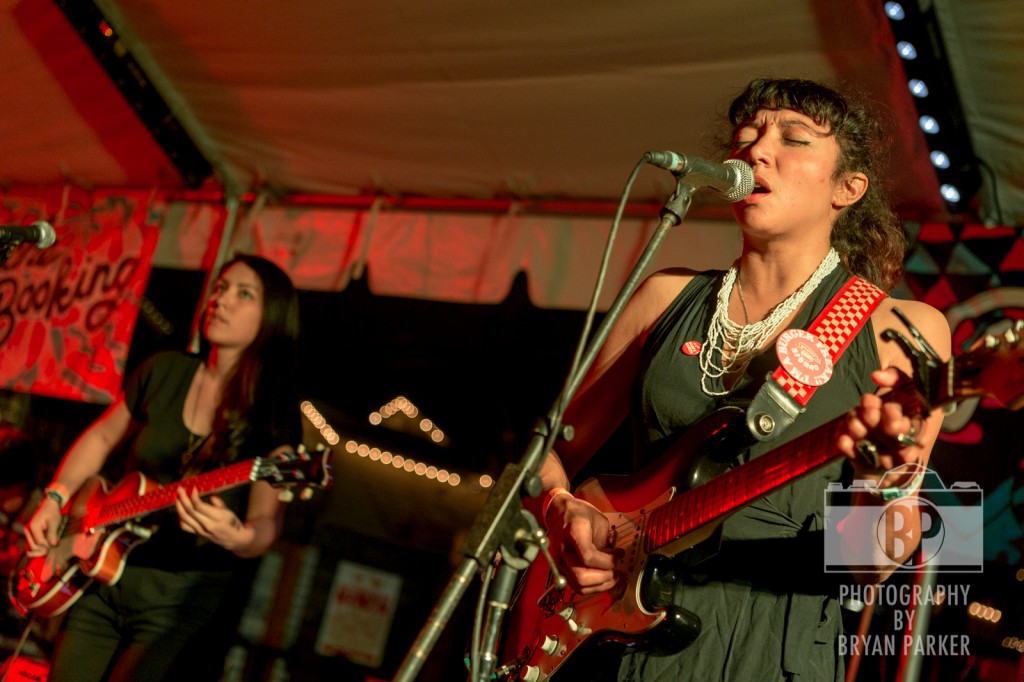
[
  {"x": 548, "y": 625},
  {"x": 101, "y": 525}
]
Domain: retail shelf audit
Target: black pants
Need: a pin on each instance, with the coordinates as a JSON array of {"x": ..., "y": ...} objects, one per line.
[{"x": 145, "y": 625}]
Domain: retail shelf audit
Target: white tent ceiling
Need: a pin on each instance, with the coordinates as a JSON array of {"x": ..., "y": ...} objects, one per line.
[{"x": 457, "y": 99}]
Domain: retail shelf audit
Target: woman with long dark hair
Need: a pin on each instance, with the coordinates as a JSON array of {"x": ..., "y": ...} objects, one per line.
[{"x": 181, "y": 415}]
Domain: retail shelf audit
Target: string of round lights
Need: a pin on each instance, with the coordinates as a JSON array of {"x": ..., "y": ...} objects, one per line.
[{"x": 397, "y": 461}]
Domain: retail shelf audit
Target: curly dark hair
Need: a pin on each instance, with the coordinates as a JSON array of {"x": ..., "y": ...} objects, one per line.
[{"x": 867, "y": 234}]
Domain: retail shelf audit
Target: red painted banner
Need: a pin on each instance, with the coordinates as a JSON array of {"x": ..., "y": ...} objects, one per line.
[{"x": 67, "y": 312}]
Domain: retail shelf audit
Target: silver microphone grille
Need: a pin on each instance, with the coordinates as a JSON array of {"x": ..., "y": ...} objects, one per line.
[{"x": 743, "y": 188}]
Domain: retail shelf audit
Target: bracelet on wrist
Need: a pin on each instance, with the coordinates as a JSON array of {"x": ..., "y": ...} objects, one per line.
[
  {"x": 899, "y": 492},
  {"x": 58, "y": 494},
  {"x": 549, "y": 498}
]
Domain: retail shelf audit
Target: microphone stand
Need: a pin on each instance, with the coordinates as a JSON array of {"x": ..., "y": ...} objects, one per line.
[{"x": 503, "y": 522}]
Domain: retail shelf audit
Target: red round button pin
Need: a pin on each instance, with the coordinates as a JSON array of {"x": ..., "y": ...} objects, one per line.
[{"x": 691, "y": 347}]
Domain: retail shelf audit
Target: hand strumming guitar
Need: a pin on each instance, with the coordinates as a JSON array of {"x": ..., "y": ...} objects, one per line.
[
  {"x": 41, "y": 532},
  {"x": 579, "y": 534}
]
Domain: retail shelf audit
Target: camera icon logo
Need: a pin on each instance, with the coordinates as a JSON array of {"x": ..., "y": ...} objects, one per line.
[{"x": 949, "y": 537}]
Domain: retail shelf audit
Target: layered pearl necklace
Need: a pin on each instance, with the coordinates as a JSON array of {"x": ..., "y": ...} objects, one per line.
[{"x": 745, "y": 341}]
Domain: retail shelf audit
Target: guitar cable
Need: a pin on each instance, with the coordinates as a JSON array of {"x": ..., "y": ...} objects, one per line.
[{"x": 476, "y": 640}]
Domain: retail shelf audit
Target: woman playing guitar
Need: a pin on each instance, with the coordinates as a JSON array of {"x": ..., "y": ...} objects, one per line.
[
  {"x": 181, "y": 415},
  {"x": 690, "y": 343}
]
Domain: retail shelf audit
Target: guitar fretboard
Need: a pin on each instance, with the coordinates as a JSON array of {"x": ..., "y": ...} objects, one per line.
[
  {"x": 741, "y": 486},
  {"x": 162, "y": 497}
]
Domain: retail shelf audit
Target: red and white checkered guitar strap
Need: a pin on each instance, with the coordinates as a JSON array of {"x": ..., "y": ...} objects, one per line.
[{"x": 806, "y": 358}]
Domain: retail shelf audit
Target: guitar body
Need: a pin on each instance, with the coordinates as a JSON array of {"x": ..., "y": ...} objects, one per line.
[
  {"x": 101, "y": 525},
  {"x": 48, "y": 585},
  {"x": 547, "y": 625}
]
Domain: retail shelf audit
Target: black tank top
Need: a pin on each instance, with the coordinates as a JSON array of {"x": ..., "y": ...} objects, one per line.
[{"x": 767, "y": 610}]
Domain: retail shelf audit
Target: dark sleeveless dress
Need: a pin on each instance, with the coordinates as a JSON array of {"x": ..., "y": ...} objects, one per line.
[{"x": 767, "y": 609}]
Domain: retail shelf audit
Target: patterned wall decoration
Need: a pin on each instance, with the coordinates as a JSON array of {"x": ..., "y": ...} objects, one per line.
[
  {"x": 975, "y": 275},
  {"x": 948, "y": 264}
]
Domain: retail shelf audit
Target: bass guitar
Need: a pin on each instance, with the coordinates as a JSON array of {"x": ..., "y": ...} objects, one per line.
[
  {"x": 101, "y": 524},
  {"x": 548, "y": 624}
]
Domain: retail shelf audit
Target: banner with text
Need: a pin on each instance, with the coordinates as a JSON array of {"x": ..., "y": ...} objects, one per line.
[{"x": 67, "y": 312}]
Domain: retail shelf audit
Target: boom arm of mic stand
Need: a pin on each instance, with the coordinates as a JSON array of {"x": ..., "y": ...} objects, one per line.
[{"x": 500, "y": 521}]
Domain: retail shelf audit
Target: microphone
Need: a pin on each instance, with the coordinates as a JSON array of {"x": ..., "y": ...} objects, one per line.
[
  {"x": 40, "y": 233},
  {"x": 733, "y": 179}
]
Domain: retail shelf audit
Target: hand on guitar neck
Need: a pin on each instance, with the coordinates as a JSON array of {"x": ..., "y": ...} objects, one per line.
[{"x": 881, "y": 435}]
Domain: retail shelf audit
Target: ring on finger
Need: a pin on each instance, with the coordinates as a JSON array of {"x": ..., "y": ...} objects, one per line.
[{"x": 908, "y": 438}]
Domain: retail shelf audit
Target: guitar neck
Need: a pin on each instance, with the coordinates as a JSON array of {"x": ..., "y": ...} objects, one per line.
[
  {"x": 164, "y": 496},
  {"x": 742, "y": 485}
]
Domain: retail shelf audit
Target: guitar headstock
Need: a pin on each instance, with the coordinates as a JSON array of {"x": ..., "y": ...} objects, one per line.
[
  {"x": 300, "y": 469},
  {"x": 993, "y": 367}
]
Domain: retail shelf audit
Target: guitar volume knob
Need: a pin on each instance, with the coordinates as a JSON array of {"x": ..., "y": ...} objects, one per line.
[
  {"x": 530, "y": 673},
  {"x": 550, "y": 645}
]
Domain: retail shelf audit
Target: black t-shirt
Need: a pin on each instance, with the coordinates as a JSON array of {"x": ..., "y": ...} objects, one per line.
[{"x": 155, "y": 395}]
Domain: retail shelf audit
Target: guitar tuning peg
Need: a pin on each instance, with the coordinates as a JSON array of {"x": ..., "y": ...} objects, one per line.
[
  {"x": 1018, "y": 326},
  {"x": 286, "y": 495},
  {"x": 1011, "y": 336},
  {"x": 991, "y": 342},
  {"x": 306, "y": 494}
]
